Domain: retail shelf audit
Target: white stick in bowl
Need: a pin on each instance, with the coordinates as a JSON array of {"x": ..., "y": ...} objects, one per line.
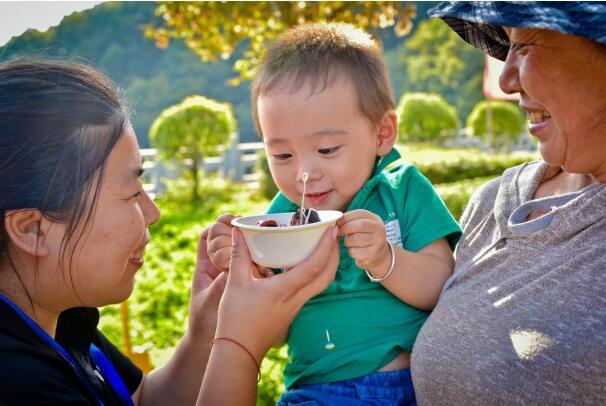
[{"x": 305, "y": 176}]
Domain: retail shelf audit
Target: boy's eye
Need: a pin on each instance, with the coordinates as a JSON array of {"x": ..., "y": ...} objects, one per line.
[
  {"x": 138, "y": 194},
  {"x": 281, "y": 157},
  {"x": 328, "y": 151}
]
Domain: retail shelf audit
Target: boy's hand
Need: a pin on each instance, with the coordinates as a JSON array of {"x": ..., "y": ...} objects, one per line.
[
  {"x": 366, "y": 240},
  {"x": 219, "y": 241},
  {"x": 219, "y": 246}
]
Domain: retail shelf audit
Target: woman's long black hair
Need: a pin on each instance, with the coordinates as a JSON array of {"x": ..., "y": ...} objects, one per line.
[{"x": 59, "y": 122}]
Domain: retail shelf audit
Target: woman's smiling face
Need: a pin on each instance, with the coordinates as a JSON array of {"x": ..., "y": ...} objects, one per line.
[
  {"x": 562, "y": 87},
  {"x": 99, "y": 267}
]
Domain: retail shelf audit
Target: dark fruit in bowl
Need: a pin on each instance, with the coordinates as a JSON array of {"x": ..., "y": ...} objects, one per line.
[
  {"x": 268, "y": 223},
  {"x": 304, "y": 216}
]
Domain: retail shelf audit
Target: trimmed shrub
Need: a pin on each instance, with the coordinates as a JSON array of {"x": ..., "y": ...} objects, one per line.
[
  {"x": 506, "y": 118},
  {"x": 461, "y": 169},
  {"x": 426, "y": 117},
  {"x": 189, "y": 131}
]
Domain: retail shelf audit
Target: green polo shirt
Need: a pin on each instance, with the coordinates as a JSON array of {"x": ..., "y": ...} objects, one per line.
[{"x": 367, "y": 324}]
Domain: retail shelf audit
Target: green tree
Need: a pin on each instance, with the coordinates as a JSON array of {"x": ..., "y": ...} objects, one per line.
[
  {"x": 214, "y": 29},
  {"x": 498, "y": 123},
  {"x": 153, "y": 79},
  {"x": 192, "y": 129},
  {"x": 425, "y": 117},
  {"x": 438, "y": 61}
]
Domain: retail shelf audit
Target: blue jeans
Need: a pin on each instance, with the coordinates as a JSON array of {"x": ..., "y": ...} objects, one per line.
[{"x": 379, "y": 388}]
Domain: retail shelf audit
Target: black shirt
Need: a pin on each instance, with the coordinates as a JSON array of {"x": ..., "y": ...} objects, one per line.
[{"x": 31, "y": 372}]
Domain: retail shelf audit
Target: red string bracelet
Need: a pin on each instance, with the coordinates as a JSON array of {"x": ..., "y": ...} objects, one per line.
[{"x": 245, "y": 349}]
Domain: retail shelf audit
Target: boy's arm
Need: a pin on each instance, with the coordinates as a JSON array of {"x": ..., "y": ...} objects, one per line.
[{"x": 417, "y": 277}]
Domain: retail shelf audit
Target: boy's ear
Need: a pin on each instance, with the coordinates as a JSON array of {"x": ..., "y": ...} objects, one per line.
[
  {"x": 387, "y": 133},
  {"x": 24, "y": 230}
]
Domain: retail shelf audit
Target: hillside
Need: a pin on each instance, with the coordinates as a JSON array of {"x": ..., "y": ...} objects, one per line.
[{"x": 110, "y": 36}]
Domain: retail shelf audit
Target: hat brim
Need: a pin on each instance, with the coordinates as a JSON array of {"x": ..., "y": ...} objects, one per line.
[
  {"x": 492, "y": 40},
  {"x": 480, "y": 23}
]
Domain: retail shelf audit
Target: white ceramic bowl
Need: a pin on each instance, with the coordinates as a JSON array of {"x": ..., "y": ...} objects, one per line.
[{"x": 283, "y": 247}]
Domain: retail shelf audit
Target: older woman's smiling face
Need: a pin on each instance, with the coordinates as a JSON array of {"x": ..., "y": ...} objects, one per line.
[{"x": 562, "y": 84}]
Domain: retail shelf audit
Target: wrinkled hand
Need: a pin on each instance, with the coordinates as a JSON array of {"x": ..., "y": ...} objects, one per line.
[
  {"x": 256, "y": 311},
  {"x": 366, "y": 240},
  {"x": 207, "y": 288},
  {"x": 219, "y": 241}
]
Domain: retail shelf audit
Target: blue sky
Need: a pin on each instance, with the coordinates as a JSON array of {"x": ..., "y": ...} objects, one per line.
[{"x": 18, "y": 16}]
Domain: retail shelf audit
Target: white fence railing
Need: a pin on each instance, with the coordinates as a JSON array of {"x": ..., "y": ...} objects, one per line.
[{"x": 237, "y": 163}]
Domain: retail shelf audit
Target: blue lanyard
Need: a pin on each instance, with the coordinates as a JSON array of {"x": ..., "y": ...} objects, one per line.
[
  {"x": 110, "y": 374},
  {"x": 107, "y": 369}
]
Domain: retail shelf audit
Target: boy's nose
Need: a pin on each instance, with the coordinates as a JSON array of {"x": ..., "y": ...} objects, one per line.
[{"x": 310, "y": 174}]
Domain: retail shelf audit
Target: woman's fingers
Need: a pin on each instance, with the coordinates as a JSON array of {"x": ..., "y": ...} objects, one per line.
[
  {"x": 323, "y": 279},
  {"x": 226, "y": 218},
  {"x": 263, "y": 272},
  {"x": 240, "y": 264},
  {"x": 218, "y": 230},
  {"x": 208, "y": 286},
  {"x": 220, "y": 251},
  {"x": 215, "y": 290},
  {"x": 256, "y": 311},
  {"x": 317, "y": 270},
  {"x": 205, "y": 272}
]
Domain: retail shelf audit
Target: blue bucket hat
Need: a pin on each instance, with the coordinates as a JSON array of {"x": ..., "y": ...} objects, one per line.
[{"x": 481, "y": 23}]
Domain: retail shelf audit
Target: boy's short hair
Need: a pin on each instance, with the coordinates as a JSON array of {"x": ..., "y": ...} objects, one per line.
[{"x": 314, "y": 54}]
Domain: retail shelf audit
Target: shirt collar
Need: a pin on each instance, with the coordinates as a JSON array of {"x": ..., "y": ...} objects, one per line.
[
  {"x": 383, "y": 162},
  {"x": 75, "y": 328}
]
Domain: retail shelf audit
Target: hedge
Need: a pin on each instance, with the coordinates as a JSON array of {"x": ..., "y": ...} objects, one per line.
[
  {"x": 456, "y": 195},
  {"x": 462, "y": 169}
]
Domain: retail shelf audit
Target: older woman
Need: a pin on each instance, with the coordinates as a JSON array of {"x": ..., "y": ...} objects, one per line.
[{"x": 523, "y": 318}]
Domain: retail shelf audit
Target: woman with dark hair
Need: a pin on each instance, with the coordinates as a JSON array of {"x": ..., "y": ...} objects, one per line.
[{"x": 74, "y": 224}]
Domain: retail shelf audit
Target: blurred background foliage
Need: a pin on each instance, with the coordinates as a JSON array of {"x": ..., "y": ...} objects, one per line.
[
  {"x": 426, "y": 117},
  {"x": 191, "y": 130},
  {"x": 505, "y": 118},
  {"x": 214, "y": 30},
  {"x": 422, "y": 55}
]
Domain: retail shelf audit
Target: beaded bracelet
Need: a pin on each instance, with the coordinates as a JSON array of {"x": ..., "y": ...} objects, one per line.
[
  {"x": 245, "y": 349},
  {"x": 391, "y": 267}
]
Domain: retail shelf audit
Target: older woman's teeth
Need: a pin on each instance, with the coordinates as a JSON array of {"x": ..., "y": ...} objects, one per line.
[{"x": 535, "y": 117}]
